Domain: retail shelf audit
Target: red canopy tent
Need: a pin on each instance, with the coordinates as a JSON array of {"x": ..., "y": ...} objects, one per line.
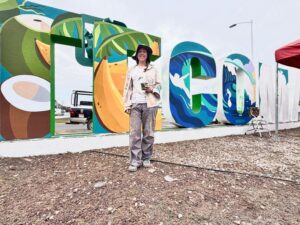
[{"x": 288, "y": 55}]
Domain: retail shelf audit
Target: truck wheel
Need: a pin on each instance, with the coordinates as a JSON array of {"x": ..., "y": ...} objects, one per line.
[{"x": 90, "y": 124}]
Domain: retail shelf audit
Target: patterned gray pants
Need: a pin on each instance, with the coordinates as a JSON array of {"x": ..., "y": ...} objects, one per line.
[{"x": 141, "y": 137}]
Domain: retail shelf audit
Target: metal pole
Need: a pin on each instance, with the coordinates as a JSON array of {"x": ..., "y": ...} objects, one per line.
[
  {"x": 252, "y": 41},
  {"x": 251, "y": 23},
  {"x": 276, "y": 105}
]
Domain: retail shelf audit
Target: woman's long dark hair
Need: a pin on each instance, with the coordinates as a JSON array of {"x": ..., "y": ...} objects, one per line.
[{"x": 147, "y": 60}]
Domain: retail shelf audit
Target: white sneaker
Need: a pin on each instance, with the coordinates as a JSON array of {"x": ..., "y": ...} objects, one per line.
[
  {"x": 147, "y": 163},
  {"x": 132, "y": 168}
]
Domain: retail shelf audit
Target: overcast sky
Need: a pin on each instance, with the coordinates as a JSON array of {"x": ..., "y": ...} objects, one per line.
[{"x": 275, "y": 22}]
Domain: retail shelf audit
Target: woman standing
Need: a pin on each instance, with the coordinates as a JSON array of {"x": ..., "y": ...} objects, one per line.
[{"x": 141, "y": 99}]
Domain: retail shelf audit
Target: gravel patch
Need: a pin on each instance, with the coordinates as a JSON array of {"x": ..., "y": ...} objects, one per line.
[{"x": 96, "y": 188}]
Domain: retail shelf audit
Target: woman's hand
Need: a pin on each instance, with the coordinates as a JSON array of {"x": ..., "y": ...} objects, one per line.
[
  {"x": 149, "y": 89},
  {"x": 156, "y": 95},
  {"x": 128, "y": 111}
]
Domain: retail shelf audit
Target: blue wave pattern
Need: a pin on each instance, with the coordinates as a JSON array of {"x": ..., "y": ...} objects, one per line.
[
  {"x": 27, "y": 7},
  {"x": 285, "y": 73},
  {"x": 180, "y": 102},
  {"x": 240, "y": 62}
]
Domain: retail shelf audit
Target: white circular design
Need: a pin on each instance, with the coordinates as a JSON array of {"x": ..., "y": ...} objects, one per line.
[
  {"x": 23, "y": 103},
  {"x": 35, "y": 22}
]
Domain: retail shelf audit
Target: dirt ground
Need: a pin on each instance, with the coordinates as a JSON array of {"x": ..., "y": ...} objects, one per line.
[{"x": 229, "y": 180}]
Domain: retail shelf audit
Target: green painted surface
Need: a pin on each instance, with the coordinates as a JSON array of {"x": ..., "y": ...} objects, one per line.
[
  {"x": 196, "y": 103},
  {"x": 11, "y": 47},
  {"x": 196, "y": 68},
  {"x": 52, "y": 90},
  {"x": 8, "y": 5},
  {"x": 31, "y": 56}
]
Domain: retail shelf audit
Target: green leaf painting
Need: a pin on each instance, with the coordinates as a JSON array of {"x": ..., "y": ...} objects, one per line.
[
  {"x": 117, "y": 39},
  {"x": 70, "y": 28}
]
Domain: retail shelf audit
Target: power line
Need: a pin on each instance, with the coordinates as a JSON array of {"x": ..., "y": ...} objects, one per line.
[{"x": 207, "y": 169}]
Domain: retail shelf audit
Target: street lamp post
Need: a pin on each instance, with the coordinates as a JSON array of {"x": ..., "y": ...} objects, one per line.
[{"x": 251, "y": 23}]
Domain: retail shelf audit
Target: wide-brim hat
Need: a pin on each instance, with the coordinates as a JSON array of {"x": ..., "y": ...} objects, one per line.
[{"x": 147, "y": 48}]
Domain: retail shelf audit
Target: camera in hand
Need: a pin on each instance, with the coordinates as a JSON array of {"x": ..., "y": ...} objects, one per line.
[{"x": 144, "y": 86}]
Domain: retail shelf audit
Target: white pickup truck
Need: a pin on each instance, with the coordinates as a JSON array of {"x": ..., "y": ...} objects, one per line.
[{"x": 81, "y": 111}]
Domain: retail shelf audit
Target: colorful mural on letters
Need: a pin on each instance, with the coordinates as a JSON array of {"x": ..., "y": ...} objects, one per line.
[
  {"x": 25, "y": 72},
  {"x": 28, "y": 34},
  {"x": 190, "y": 61},
  {"x": 112, "y": 46},
  {"x": 239, "y": 88}
]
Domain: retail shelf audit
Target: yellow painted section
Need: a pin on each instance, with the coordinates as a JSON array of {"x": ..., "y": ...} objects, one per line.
[
  {"x": 108, "y": 90},
  {"x": 44, "y": 50},
  {"x": 108, "y": 100},
  {"x": 118, "y": 72},
  {"x": 155, "y": 48}
]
